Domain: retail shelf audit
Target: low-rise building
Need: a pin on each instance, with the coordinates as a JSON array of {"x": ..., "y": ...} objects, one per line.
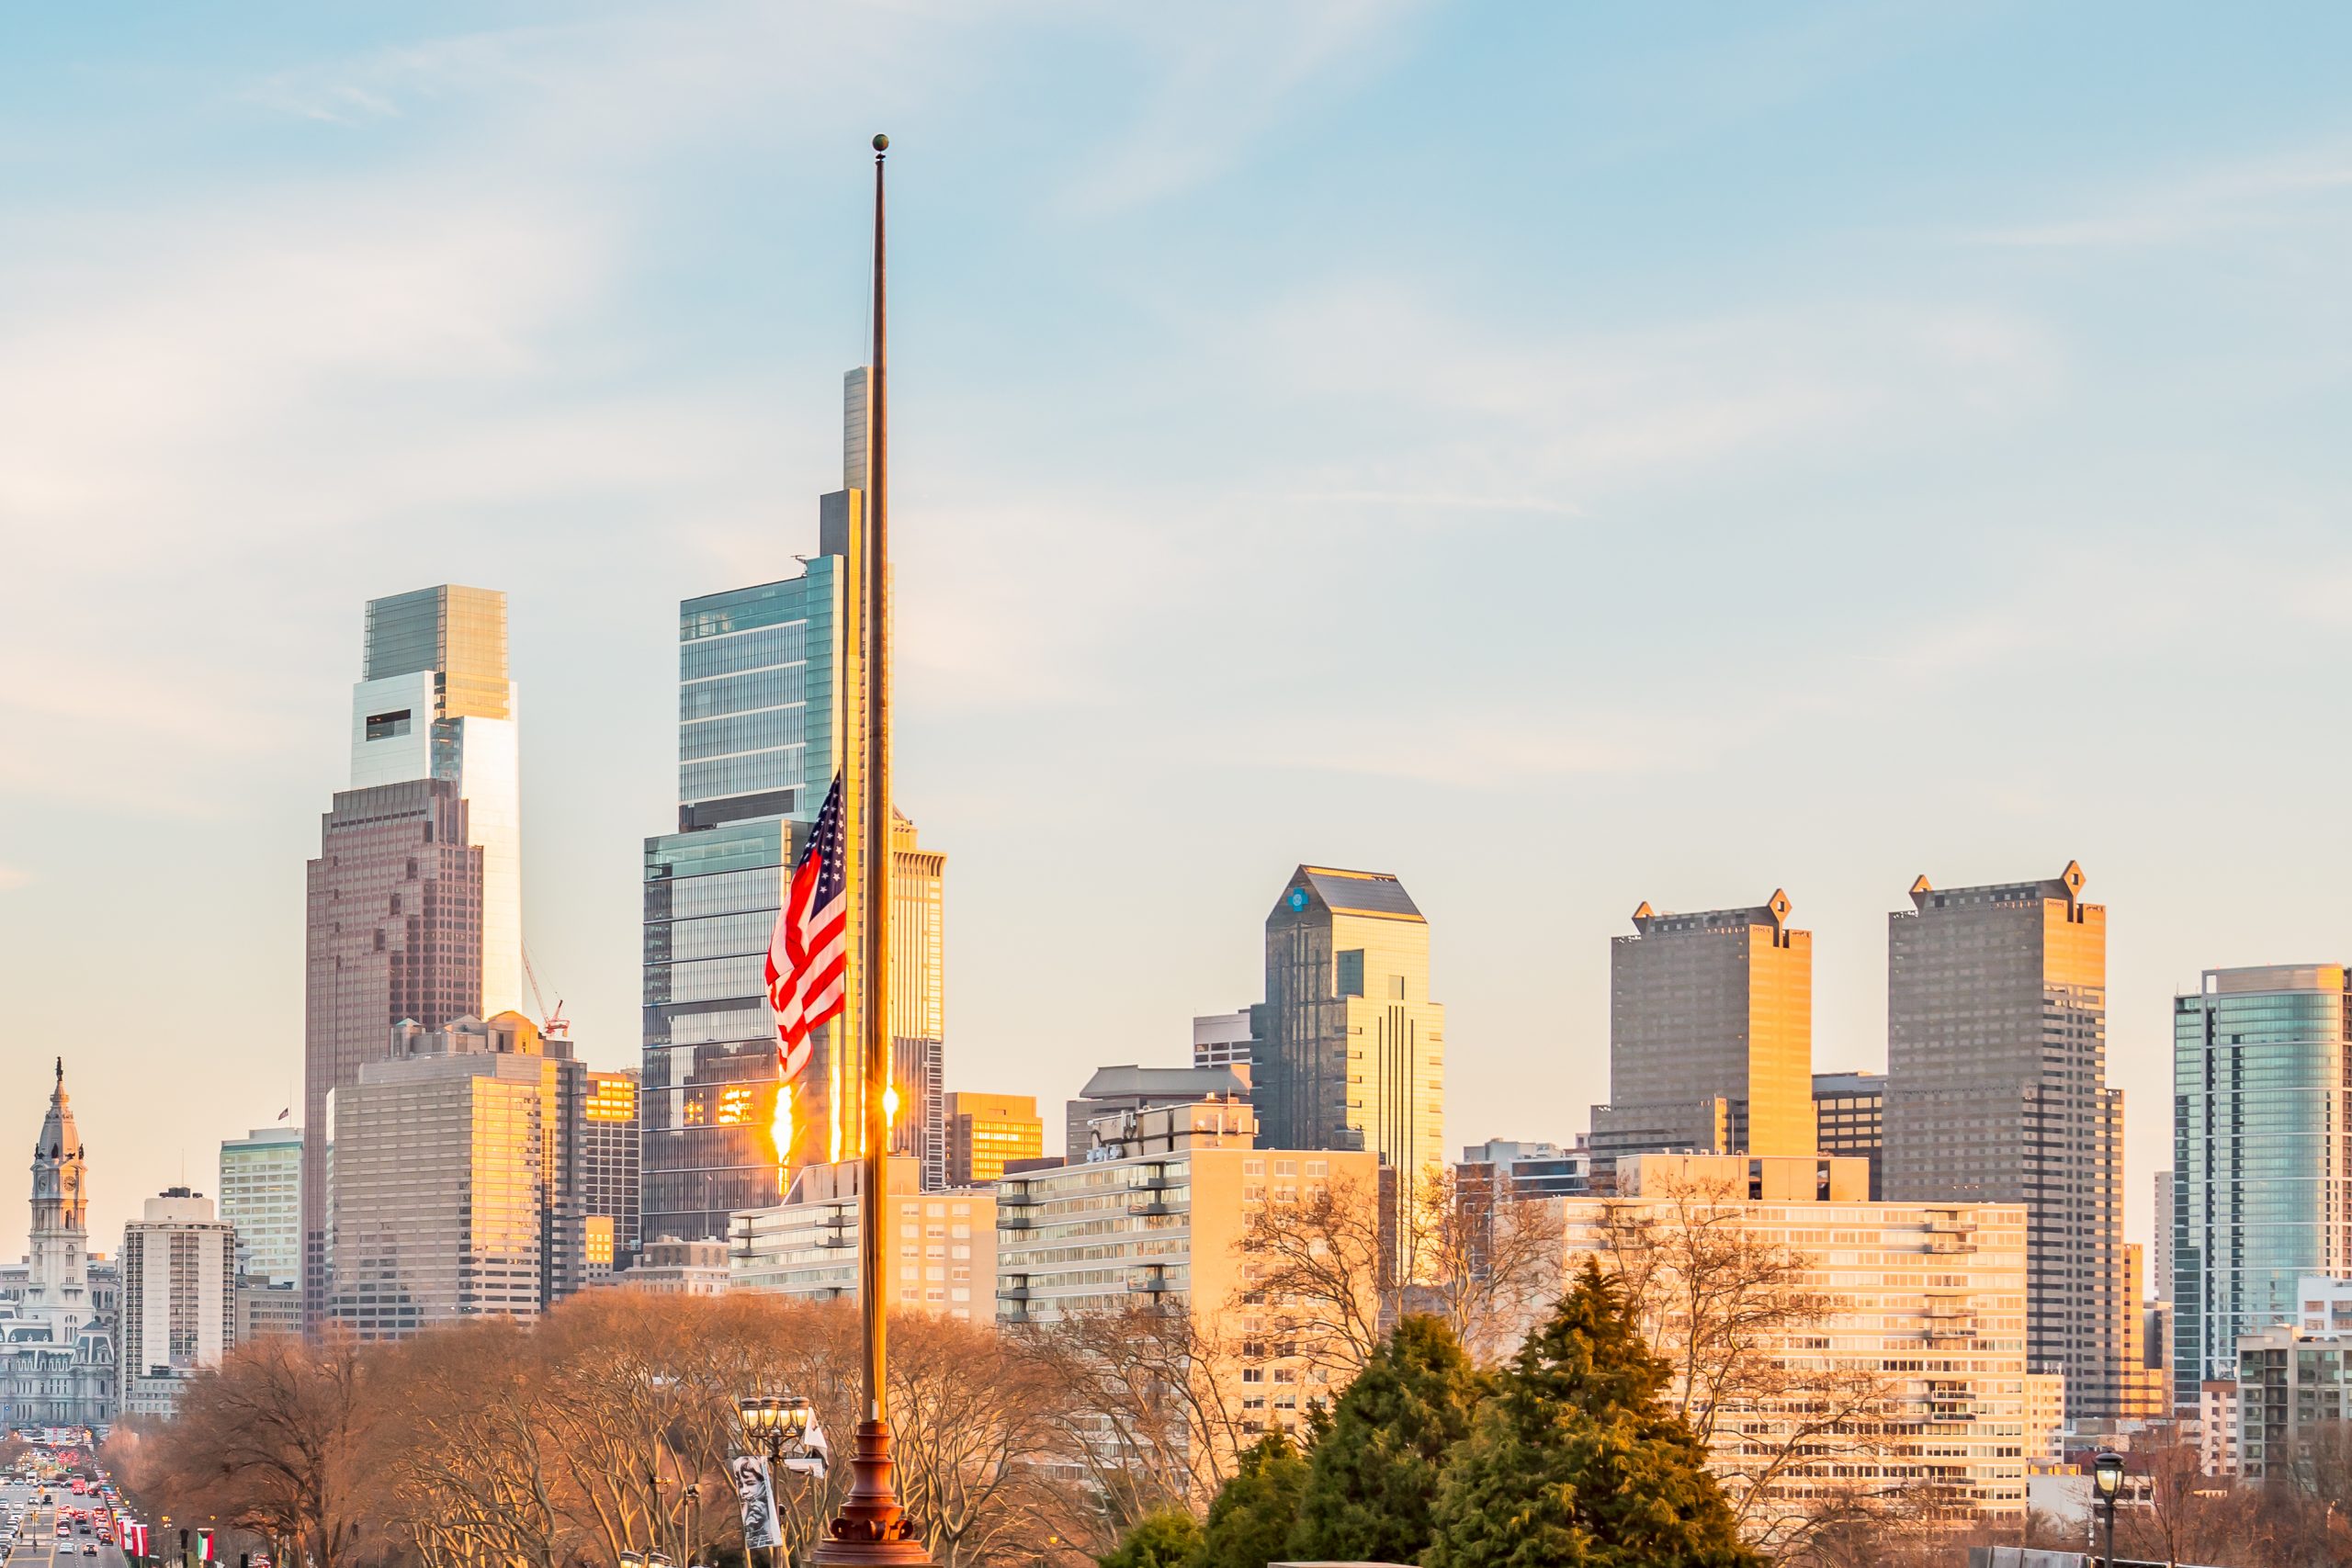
[
  {"x": 1140, "y": 1088},
  {"x": 2288, "y": 1380},
  {"x": 1505, "y": 1169},
  {"x": 2325, "y": 1304},
  {"x": 671, "y": 1266},
  {"x": 268, "y": 1306},
  {"x": 942, "y": 1243},
  {"x": 1927, "y": 1299}
]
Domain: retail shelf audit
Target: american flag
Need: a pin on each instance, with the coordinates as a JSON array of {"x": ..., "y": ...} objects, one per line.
[{"x": 808, "y": 954}]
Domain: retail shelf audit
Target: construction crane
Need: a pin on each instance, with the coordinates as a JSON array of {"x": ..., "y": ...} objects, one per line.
[{"x": 554, "y": 1026}]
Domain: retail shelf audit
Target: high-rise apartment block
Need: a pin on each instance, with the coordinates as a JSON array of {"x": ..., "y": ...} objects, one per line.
[
  {"x": 1850, "y": 1119},
  {"x": 986, "y": 1130},
  {"x": 2288, "y": 1381},
  {"x": 1352, "y": 1051},
  {"x": 609, "y": 1174},
  {"x": 1997, "y": 1093},
  {"x": 455, "y": 1179},
  {"x": 179, "y": 1299},
  {"x": 261, "y": 1198},
  {"x": 941, "y": 1255},
  {"x": 1710, "y": 1034},
  {"x": 414, "y": 902},
  {"x": 2262, "y": 1183},
  {"x": 762, "y": 688},
  {"x": 1157, "y": 1225},
  {"x": 1930, "y": 1299}
]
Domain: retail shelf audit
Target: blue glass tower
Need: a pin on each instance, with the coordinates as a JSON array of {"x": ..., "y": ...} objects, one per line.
[
  {"x": 2262, "y": 1156},
  {"x": 760, "y": 718}
]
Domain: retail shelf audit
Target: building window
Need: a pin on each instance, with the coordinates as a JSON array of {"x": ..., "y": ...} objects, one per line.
[
  {"x": 1350, "y": 965},
  {"x": 385, "y": 726}
]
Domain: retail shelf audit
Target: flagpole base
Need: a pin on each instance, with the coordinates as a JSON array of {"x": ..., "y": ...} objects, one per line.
[{"x": 872, "y": 1528}]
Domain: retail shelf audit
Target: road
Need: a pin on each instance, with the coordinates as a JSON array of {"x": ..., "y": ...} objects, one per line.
[{"x": 37, "y": 1544}]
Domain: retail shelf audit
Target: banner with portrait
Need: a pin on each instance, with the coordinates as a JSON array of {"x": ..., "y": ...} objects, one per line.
[{"x": 755, "y": 1493}]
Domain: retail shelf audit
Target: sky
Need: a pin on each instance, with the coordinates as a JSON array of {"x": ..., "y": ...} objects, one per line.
[{"x": 1564, "y": 455}]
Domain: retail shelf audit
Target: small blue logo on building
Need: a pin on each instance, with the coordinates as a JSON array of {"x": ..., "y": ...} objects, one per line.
[{"x": 1298, "y": 898}]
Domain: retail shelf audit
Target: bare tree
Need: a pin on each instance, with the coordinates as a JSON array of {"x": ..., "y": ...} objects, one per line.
[
  {"x": 1733, "y": 1311},
  {"x": 1144, "y": 1409},
  {"x": 1486, "y": 1259},
  {"x": 1314, "y": 1273},
  {"x": 273, "y": 1440},
  {"x": 970, "y": 1422}
]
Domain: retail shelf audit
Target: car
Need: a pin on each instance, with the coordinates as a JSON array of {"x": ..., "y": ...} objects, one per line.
[{"x": 89, "y": 1549}]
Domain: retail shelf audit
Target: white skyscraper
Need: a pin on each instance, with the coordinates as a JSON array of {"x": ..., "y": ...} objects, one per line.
[
  {"x": 434, "y": 703},
  {"x": 179, "y": 1277}
]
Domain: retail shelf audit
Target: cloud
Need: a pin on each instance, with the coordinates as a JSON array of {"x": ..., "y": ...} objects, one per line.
[
  {"x": 1545, "y": 420},
  {"x": 13, "y": 876},
  {"x": 2263, "y": 193},
  {"x": 1224, "y": 85}
]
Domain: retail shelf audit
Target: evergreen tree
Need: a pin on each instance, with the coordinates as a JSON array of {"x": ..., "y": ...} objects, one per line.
[
  {"x": 1166, "y": 1538},
  {"x": 1573, "y": 1463},
  {"x": 1250, "y": 1521},
  {"x": 1372, "y": 1477}
]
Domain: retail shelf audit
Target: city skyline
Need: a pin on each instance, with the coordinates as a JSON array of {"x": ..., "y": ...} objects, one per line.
[{"x": 1981, "y": 494}]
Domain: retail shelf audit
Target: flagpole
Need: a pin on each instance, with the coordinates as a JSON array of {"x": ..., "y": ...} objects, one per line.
[{"x": 871, "y": 1527}]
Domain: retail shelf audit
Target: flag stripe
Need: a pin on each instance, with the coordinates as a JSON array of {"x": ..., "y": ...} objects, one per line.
[{"x": 808, "y": 961}]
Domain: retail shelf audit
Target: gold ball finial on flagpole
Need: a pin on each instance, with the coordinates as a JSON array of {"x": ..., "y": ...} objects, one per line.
[{"x": 881, "y": 143}]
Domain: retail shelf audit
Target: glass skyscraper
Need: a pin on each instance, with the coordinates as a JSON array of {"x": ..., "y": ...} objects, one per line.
[
  {"x": 1352, "y": 1051},
  {"x": 2262, "y": 1180},
  {"x": 260, "y": 1194},
  {"x": 758, "y": 713},
  {"x": 415, "y": 906}
]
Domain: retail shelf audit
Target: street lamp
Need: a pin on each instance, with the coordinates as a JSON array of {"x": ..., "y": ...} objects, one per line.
[
  {"x": 2106, "y": 1476},
  {"x": 693, "y": 1523},
  {"x": 774, "y": 1424}
]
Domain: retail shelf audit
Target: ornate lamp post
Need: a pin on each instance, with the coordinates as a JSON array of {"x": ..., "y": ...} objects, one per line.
[
  {"x": 2106, "y": 1475},
  {"x": 775, "y": 1424}
]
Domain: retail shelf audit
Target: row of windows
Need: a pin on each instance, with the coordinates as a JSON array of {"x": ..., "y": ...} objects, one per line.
[
  {"x": 753, "y": 731},
  {"x": 725, "y": 892},
  {"x": 724, "y": 655},
  {"x": 740, "y": 694},
  {"x": 739, "y": 775}
]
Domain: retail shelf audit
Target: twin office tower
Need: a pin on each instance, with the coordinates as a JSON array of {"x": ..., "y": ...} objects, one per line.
[
  {"x": 1995, "y": 1087},
  {"x": 415, "y": 956}
]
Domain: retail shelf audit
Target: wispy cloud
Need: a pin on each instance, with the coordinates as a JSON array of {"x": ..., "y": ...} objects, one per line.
[
  {"x": 1224, "y": 84},
  {"x": 1546, "y": 419},
  {"x": 2232, "y": 199}
]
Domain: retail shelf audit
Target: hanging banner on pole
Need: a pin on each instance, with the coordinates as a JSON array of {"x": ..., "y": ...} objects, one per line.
[{"x": 755, "y": 1493}]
